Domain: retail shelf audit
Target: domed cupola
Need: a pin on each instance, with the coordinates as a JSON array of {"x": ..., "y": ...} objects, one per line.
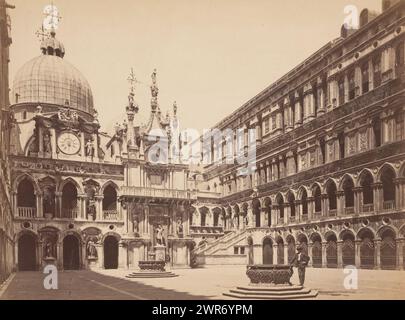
[{"x": 50, "y": 80}]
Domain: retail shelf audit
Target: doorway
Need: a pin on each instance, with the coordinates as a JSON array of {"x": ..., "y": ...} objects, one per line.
[
  {"x": 27, "y": 253},
  {"x": 71, "y": 253},
  {"x": 110, "y": 253}
]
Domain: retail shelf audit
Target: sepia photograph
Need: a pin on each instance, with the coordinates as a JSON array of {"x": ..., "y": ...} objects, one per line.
[{"x": 221, "y": 151}]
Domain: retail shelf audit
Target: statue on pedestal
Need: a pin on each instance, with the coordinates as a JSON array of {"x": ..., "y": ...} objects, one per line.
[
  {"x": 47, "y": 142},
  {"x": 89, "y": 148},
  {"x": 91, "y": 248},
  {"x": 49, "y": 249},
  {"x": 160, "y": 240},
  {"x": 180, "y": 228}
]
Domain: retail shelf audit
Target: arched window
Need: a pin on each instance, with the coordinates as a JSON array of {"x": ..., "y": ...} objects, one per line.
[
  {"x": 203, "y": 214},
  {"x": 387, "y": 179},
  {"x": 377, "y": 131},
  {"x": 267, "y": 205},
  {"x": 110, "y": 203},
  {"x": 399, "y": 55},
  {"x": 69, "y": 201},
  {"x": 257, "y": 213},
  {"x": 352, "y": 85},
  {"x": 216, "y": 213},
  {"x": 341, "y": 138},
  {"x": 291, "y": 204},
  {"x": 377, "y": 70},
  {"x": 322, "y": 148},
  {"x": 304, "y": 202},
  {"x": 26, "y": 199},
  {"x": 365, "y": 78},
  {"x": 399, "y": 125},
  {"x": 331, "y": 191},
  {"x": 280, "y": 204},
  {"x": 341, "y": 86},
  {"x": 318, "y": 199},
  {"x": 349, "y": 194},
  {"x": 367, "y": 186}
]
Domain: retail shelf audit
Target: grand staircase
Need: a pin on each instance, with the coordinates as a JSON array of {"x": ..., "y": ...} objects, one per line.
[{"x": 221, "y": 251}]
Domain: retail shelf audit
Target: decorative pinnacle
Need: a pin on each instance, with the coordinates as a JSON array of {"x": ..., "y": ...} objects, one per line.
[
  {"x": 174, "y": 108},
  {"x": 154, "y": 91},
  {"x": 132, "y": 106}
]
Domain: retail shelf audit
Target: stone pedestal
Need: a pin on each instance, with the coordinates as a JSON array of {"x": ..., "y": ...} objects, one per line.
[
  {"x": 160, "y": 253},
  {"x": 92, "y": 262}
]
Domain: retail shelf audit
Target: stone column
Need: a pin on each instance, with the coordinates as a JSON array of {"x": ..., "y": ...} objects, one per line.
[
  {"x": 346, "y": 84},
  {"x": 289, "y": 118},
  {"x": 282, "y": 167},
  {"x": 40, "y": 136},
  {"x": 321, "y": 97},
  {"x": 99, "y": 208},
  {"x": 287, "y": 213},
  {"x": 82, "y": 205},
  {"x": 53, "y": 142},
  {"x": 309, "y": 103},
  {"x": 39, "y": 204},
  {"x": 324, "y": 205},
  {"x": 58, "y": 204},
  {"x": 339, "y": 254},
  {"x": 268, "y": 170},
  {"x": 286, "y": 262},
  {"x": 398, "y": 192},
  {"x": 310, "y": 245},
  {"x": 258, "y": 133},
  {"x": 275, "y": 173},
  {"x": 378, "y": 197},
  {"x": 400, "y": 253},
  {"x": 275, "y": 215},
  {"x": 377, "y": 253},
  {"x": 371, "y": 74},
  {"x": 324, "y": 260},
  {"x": 275, "y": 253},
  {"x": 340, "y": 202},
  {"x": 357, "y": 253}
]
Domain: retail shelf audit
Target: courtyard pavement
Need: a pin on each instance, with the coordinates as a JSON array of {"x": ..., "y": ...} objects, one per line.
[{"x": 204, "y": 283}]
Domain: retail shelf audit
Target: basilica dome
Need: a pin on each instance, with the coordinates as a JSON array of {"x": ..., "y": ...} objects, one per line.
[{"x": 50, "y": 79}]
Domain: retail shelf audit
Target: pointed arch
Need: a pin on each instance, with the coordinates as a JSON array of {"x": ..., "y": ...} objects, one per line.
[
  {"x": 387, "y": 175},
  {"x": 384, "y": 168},
  {"x": 112, "y": 184},
  {"x": 331, "y": 191},
  {"x": 70, "y": 180},
  {"x": 28, "y": 177},
  {"x": 317, "y": 195},
  {"x": 365, "y": 173}
]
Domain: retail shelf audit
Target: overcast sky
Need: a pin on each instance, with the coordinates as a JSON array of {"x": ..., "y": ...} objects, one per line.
[{"x": 211, "y": 55}]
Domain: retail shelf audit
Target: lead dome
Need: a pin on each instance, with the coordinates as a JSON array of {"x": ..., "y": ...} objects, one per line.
[{"x": 50, "y": 79}]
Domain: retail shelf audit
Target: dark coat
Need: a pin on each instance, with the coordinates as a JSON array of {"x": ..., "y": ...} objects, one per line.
[{"x": 300, "y": 263}]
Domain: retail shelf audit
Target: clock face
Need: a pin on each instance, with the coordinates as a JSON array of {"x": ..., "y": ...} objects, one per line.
[{"x": 69, "y": 143}]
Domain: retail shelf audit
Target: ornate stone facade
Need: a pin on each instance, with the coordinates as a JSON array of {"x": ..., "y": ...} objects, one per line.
[
  {"x": 330, "y": 173},
  {"x": 6, "y": 216}
]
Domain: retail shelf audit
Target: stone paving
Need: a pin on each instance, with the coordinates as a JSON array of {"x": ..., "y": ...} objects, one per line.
[{"x": 206, "y": 283}]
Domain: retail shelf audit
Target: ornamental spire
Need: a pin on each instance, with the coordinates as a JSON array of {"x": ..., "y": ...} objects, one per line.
[
  {"x": 154, "y": 91},
  {"x": 132, "y": 107}
]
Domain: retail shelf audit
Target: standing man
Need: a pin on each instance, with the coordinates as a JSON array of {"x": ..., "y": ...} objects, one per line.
[{"x": 300, "y": 261}]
